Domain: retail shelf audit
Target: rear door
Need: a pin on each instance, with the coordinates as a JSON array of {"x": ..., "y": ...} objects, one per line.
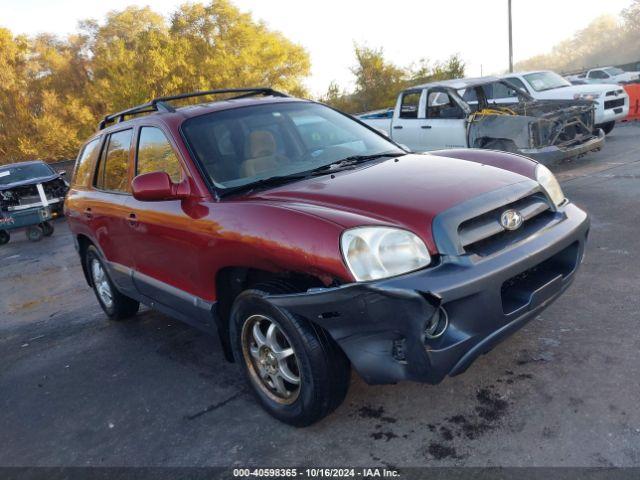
[
  {"x": 408, "y": 120},
  {"x": 445, "y": 123},
  {"x": 165, "y": 249},
  {"x": 106, "y": 206}
]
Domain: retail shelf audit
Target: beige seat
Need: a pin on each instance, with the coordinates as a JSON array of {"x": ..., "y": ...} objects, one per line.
[{"x": 263, "y": 152}]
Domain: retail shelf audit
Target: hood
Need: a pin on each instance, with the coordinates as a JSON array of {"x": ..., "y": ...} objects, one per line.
[
  {"x": 31, "y": 181},
  {"x": 407, "y": 192},
  {"x": 569, "y": 92},
  {"x": 626, "y": 76}
]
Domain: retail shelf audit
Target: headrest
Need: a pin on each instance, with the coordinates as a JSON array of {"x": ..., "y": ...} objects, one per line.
[{"x": 261, "y": 144}]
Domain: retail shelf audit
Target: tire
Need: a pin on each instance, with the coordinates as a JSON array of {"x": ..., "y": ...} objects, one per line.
[
  {"x": 322, "y": 369},
  {"x": 115, "y": 305},
  {"x": 606, "y": 127},
  {"x": 4, "y": 237},
  {"x": 47, "y": 228},
  {"x": 34, "y": 233},
  {"x": 501, "y": 145}
]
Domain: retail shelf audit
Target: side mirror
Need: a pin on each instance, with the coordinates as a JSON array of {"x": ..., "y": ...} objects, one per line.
[
  {"x": 62, "y": 173},
  {"x": 157, "y": 186}
]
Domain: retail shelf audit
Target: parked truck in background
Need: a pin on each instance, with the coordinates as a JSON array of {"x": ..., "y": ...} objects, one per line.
[
  {"x": 464, "y": 113},
  {"x": 606, "y": 75},
  {"x": 610, "y": 100}
]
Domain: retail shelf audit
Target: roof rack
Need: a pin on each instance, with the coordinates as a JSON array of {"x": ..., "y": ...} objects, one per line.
[{"x": 160, "y": 104}]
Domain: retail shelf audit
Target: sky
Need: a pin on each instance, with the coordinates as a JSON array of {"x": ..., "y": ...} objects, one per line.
[{"x": 407, "y": 30}]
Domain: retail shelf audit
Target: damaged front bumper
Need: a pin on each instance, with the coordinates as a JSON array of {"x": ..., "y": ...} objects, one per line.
[
  {"x": 554, "y": 153},
  {"x": 380, "y": 325}
]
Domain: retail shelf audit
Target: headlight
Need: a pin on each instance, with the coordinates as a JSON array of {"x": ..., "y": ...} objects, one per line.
[
  {"x": 379, "y": 252},
  {"x": 549, "y": 183},
  {"x": 587, "y": 96}
]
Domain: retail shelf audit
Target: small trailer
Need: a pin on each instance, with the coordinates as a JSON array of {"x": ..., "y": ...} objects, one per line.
[{"x": 35, "y": 220}]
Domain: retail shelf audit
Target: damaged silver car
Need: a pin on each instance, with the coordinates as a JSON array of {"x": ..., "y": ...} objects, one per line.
[{"x": 489, "y": 113}]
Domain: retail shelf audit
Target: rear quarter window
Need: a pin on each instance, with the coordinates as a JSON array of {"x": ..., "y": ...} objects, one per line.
[{"x": 84, "y": 164}]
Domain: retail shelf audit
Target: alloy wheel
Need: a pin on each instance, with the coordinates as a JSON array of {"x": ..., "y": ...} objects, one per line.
[
  {"x": 101, "y": 283},
  {"x": 271, "y": 359}
]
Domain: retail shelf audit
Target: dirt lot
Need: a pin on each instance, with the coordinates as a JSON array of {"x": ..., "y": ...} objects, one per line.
[{"x": 76, "y": 389}]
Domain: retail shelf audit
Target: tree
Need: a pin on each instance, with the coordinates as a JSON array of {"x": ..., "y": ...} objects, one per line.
[
  {"x": 378, "y": 80},
  {"x": 219, "y": 47},
  {"x": 605, "y": 41},
  {"x": 53, "y": 91}
]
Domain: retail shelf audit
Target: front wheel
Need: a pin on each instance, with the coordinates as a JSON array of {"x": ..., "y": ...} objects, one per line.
[
  {"x": 606, "y": 127},
  {"x": 297, "y": 372},
  {"x": 4, "y": 237},
  {"x": 501, "y": 145}
]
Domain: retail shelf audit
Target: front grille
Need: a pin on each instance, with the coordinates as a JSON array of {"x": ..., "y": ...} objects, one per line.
[
  {"x": 619, "y": 102},
  {"x": 484, "y": 235},
  {"x": 613, "y": 93}
]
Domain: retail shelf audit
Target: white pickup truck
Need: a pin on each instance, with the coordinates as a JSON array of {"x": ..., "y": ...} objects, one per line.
[
  {"x": 606, "y": 75},
  {"x": 458, "y": 114},
  {"x": 611, "y": 101}
]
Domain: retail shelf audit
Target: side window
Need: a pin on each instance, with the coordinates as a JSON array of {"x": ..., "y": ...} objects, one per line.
[
  {"x": 441, "y": 105},
  {"x": 113, "y": 172},
  {"x": 501, "y": 90},
  {"x": 84, "y": 164},
  {"x": 155, "y": 154},
  {"x": 409, "y": 105},
  {"x": 598, "y": 74}
]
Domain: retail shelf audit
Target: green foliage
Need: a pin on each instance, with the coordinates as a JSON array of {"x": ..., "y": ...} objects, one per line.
[
  {"x": 605, "y": 41},
  {"x": 378, "y": 80},
  {"x": 53, "y": 91}
]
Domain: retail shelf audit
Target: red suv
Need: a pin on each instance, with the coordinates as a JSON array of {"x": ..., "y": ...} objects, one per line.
[{"x": 311, "y": 243}]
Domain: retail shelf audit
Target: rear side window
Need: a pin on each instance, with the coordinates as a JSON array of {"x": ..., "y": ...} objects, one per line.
[
  {"x": 155, "y": 154},
  {"x": 85, "y": 163},
  {"x": 410, "y": 104},
  {"x": 113, "y": 171}
]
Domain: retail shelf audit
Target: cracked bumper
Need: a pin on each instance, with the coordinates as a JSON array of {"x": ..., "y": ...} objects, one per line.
[
  {"x": 551, "y": 154},
  {"x": 486, "y": 299}
]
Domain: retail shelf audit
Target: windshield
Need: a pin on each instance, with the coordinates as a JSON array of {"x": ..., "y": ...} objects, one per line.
[
  {"x": 613, "y": 71},
  {"x": 20, "y": 173},
  {"x": 541, "y": 81},
  {"x": 245, "y": 145}
]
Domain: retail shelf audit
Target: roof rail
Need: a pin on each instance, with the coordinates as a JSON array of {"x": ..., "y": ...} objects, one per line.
[{"x": 160, "y": 104}]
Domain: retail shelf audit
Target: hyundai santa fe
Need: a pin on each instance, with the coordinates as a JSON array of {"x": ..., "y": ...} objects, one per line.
[{"x": 311, "y": 244}]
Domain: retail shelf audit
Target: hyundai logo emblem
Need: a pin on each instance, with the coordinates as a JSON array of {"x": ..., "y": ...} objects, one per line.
[{"x": 511, "y": 219}]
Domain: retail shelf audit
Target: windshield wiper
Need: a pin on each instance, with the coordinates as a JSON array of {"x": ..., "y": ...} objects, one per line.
[
  {"x": 324, "y": 169},
  {"x": 352, "y": 160},
  {"x": 264, "y": 182}
]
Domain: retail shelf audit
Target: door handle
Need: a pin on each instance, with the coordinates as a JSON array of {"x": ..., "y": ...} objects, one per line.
[
  {"x": 397, "y": 127},
  {"x": 87, "y": 212},
  {"x": 426, "y": 127},
  {"x": 133, "y": 219}
]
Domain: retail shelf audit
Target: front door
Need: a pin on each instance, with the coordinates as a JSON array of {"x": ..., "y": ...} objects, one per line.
[{"x": 166, "y": 257}]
